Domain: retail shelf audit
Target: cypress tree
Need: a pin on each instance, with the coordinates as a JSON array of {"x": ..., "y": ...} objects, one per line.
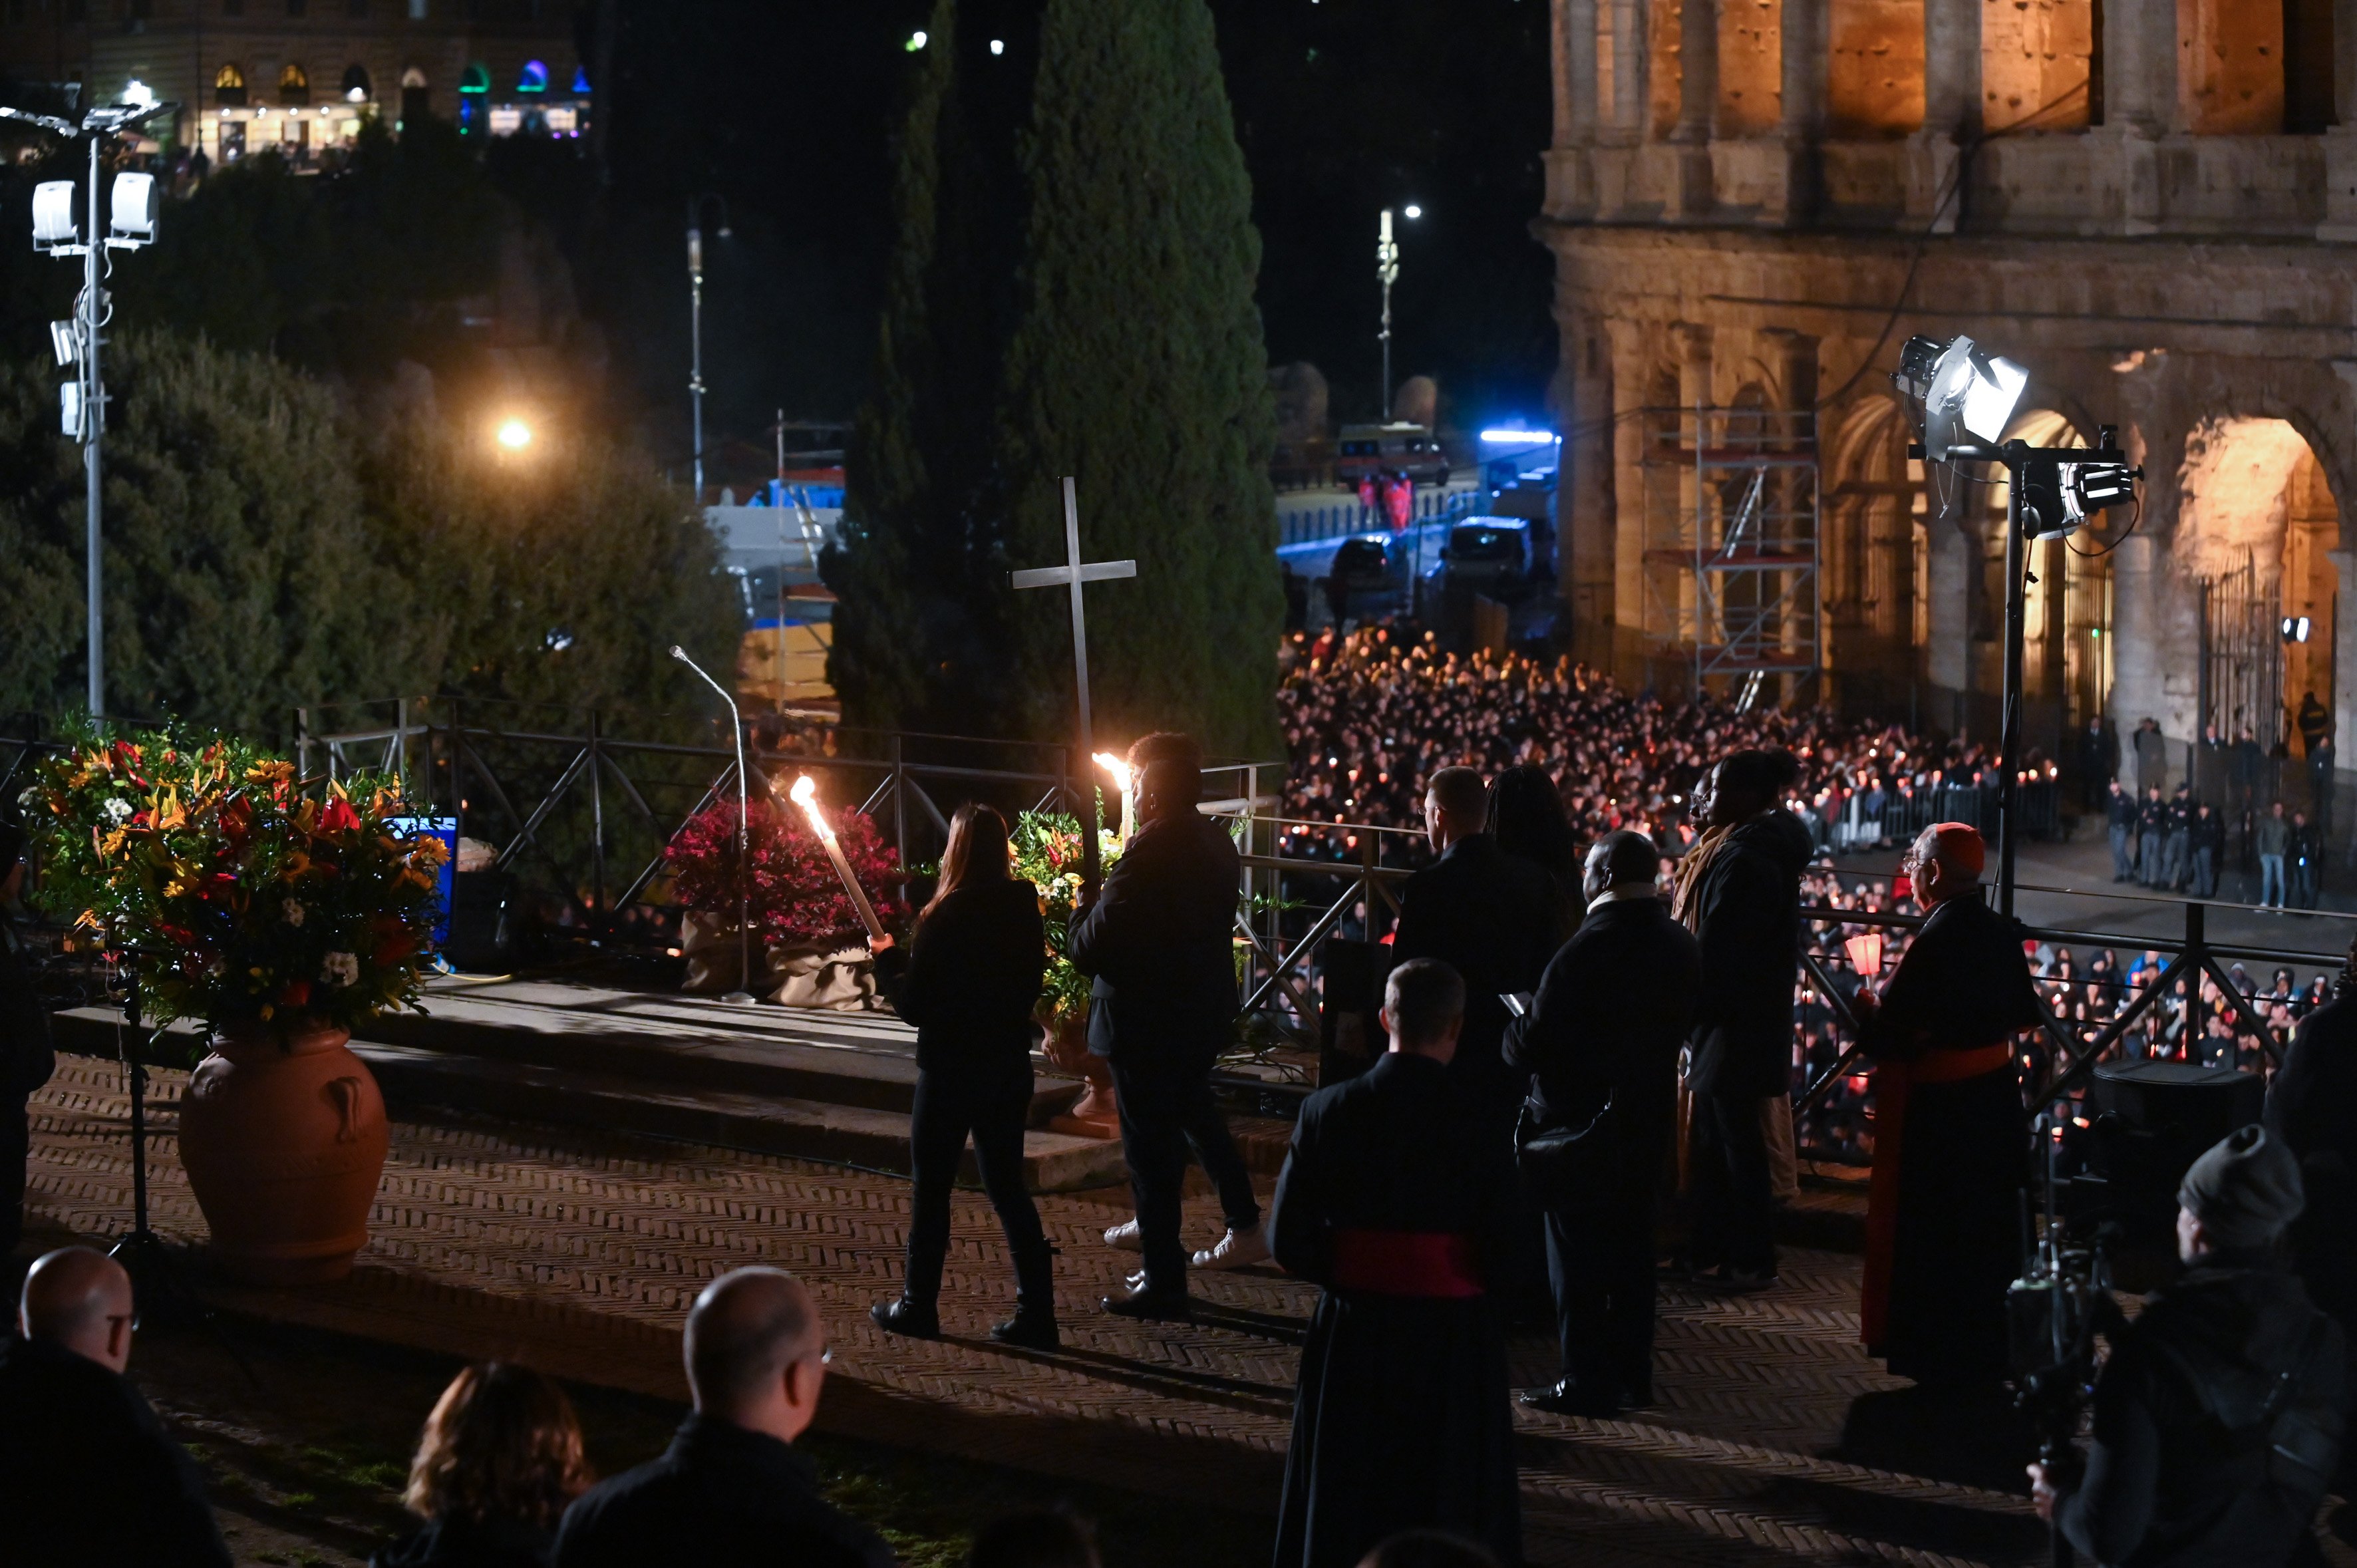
[
  {"x": 1138, "y": 365},
  {"x": 919, "y": 638}
]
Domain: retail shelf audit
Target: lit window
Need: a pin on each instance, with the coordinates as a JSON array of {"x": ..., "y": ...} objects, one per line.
[
  {"x": 477, "y": 78},
  {"x": 229, "y": 87},
  {"x": 294, "y": 86},
  {"x": 533, "y": 78},
  {"x": 356, "y": 84}
]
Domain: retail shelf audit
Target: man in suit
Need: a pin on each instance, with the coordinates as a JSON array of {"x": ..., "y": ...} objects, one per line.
[
  {"x": 1159, "y": 944},
  {"x": 1488, "y": 915},
  {"x": 1602, "y": 1042},
  {"x": 1738, "y": 891}
]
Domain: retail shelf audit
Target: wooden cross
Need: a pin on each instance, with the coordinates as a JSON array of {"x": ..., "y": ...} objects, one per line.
[{"x": 1071, "y": 575}]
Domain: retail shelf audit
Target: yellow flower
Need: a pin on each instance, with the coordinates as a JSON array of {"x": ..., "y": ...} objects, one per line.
[{"x": 270, "y": 772}]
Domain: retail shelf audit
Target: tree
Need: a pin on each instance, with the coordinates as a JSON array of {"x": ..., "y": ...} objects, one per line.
[
  {"x": 920, "y": 633},
  {"x": 1139, "y": 367}
]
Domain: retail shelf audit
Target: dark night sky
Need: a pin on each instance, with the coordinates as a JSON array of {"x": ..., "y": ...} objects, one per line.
[{"x": 1342, "y": 106}]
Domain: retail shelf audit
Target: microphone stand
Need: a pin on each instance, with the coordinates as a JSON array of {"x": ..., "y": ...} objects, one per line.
[{"x": 159, "y": 1293}]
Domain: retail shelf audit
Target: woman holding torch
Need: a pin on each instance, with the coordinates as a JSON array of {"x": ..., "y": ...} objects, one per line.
[{"x": 968, "y": 980}]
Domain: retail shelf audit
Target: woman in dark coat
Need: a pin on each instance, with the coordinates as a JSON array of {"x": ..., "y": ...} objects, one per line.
[
  {"x": 969, "y": 982},
  {"x": 1527, "y": 819},
  {"x": 500, "y": 1458}
]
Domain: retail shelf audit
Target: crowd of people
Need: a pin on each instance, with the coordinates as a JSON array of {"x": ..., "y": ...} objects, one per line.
[{"x": 1370, "y": 716}]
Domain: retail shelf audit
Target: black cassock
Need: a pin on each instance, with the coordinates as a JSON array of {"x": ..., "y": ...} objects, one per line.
[
  {"x": 1395, "y": 1190},
  {"x": 1944, "y": 1221}
]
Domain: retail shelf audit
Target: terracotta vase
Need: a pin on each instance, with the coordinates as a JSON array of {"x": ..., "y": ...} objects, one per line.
[
  {"x": 283, "y": 1144},
  {"x": 1096, "y": 1114}
]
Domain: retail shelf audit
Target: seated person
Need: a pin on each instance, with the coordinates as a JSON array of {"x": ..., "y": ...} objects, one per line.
[
  {"x": 499, "y": 1460},
  {"x": 88, "y": 1475}
]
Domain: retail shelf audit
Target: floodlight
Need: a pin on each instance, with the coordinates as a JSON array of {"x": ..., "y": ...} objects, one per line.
[
  {"x": 2295, "y": 629},
  {"x": 70, "y": 410},
  {"x": 514, "y": 435},
  {"x": 1962, "y": 390},
  {"x": 53, "y": 215},
  {"x": 131, "y": 214},
  {"x": 2058, "y": 496},
  {"x": 61, "y": 341}
]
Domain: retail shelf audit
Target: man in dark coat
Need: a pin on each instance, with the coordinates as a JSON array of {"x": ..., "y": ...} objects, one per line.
[
  {"x": 1395, "y": 1199},
  {"x": 1739, "y": 892},
  {"x": 2305, "y": 854},
  {"x": 2120, "y": 819},
  {"x": 2209, "y": 838},
  {"x": 2152, "y": 830},
  {"x": 89, "y": 1477},
  {"x": 26, "y": 1059},
  {"x": 1943, "y": 1212},
  {"x": 2151, "y": 755},
  {"x": 1488, "y": 915},
  {"x": 730, "y": 1488},
  {"x": 1159, "y": 943},
  {"x": 2098, "y": 760},
  {"x": 2312, "y": 1108},
  {"x": 2219, "y": 1414},
  {"x": 2177, "y": 842},
  {"x": 1602, "y": 1042}
]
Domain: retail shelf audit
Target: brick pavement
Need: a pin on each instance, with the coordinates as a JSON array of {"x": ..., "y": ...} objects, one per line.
[{"x": 580, "y": 1251}]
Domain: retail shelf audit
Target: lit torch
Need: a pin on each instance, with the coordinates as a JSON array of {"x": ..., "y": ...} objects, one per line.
[
  {"x": 805, "y": 795},
  {"x": 1128, "y": 782}
]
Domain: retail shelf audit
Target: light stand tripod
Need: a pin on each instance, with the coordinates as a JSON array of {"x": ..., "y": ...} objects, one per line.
[{"x": 159, "y": 1293}]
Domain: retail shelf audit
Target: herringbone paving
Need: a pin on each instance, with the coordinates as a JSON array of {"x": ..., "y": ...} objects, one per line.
[{"x": 580, "y": 1251}]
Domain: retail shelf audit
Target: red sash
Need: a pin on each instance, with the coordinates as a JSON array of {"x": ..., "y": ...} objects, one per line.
[
  {"x": 1430, "y": 1263},
  {"x": 1892, "y": 1079}
]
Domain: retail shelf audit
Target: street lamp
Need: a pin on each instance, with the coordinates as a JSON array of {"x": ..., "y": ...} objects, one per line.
[
  {"x": 83, "y": 401},
  {"x": 743, "y": 991},
  {"x": 695, "y": 205},
  {"x": 1387, "y": 273}
]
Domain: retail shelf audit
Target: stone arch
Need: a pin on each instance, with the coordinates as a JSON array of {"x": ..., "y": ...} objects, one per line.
[
  {"x": 2257, "y": 523},
  {"x": 1868, "y": 552}
]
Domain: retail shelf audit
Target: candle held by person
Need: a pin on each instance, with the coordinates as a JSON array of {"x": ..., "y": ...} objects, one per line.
[{"x": 805, "y": 795}]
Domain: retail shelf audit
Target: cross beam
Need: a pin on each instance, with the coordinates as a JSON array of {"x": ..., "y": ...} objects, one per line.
[{"x": 1072, "y": 576}]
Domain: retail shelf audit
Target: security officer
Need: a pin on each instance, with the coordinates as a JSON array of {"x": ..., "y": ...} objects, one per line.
[{"x": 2218, "y": 1415}]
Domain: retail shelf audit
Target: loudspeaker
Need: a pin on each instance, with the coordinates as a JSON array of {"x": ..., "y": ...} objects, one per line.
[{"x": 2151, "y": 1122}]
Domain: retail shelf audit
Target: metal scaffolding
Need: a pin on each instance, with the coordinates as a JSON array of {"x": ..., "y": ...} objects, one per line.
[{"x": 1730, "y": 547}]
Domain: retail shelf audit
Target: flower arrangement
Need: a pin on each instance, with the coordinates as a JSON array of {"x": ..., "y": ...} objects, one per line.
[
  {"x": 796, "y": 899},
  {"x": 1048, "y": 853},
  {"x": 239, "y": 898}
]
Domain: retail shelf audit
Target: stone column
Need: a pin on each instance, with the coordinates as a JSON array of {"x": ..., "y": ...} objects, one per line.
[
  {"x": 1588, "y": 526},
  {"x": 1632, "y": 78},
  {"x": 2341, "y": 140},
  {"x": 1630, "y": 344},
  {"x": 1952, "y": 111},
  {"x": 1948, "y": 654},
  {"x": 2140, "y": 105},
  {"x": 1698, "y": 185},
  {"x": 1696, "y": 391},
  {"x": 1807, "y": 43},
  {"x": 2344, "y": 653},
  {"x": 1578, "y": 106}
]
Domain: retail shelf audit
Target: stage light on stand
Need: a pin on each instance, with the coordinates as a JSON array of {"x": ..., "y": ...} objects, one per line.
[{"x": 1962, "y": 390}]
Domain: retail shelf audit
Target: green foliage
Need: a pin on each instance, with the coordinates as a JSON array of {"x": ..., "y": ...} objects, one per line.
[
  {"x": 1139, "y": 367},
  {"x": 266, "y": 546},
  {"x": 1077, "y": 300}
]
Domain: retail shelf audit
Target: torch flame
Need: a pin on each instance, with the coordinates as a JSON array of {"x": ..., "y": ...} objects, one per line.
[
  {"x": 1115, "y": 766},
  {"x": 805, "y": 795}
]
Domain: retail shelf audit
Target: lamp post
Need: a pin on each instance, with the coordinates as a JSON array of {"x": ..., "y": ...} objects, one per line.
[
  {"x": 83, "y": 401},
  {"x": 1387, "y": 273},
  {"x": 695, "y": 205},
  {"x": 743, "y": 991}
]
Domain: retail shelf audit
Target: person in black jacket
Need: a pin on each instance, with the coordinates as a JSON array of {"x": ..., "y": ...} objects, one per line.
[
  {"x": 2218, "y": 1415},
  {"x": 969, "y": 985},
  {"x": 89, "y": 1477},
  {"x": 730, "y": 1488},
  {"x": 2312, "y": 1107},
  {"x": 1159, "y": 943},
  {"x": 498, "y": 1462},
  {"x": 1602, "y": 1042},
  {"x": 2209, "y": 848},
  {"x": 2306, "y": 857},
  {"x": 25, "y": 1057},
  {"x": 1488, "y": 916},
  {"x": 1738, "y": 891},
  {"x": 1527, "y": 819},
  {"x": 2152, "y": 829},
  {"x": 2120, "y": 818}
]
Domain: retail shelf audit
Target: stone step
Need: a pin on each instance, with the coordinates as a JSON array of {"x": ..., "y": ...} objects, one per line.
[{"x": 762, "y": 1123}]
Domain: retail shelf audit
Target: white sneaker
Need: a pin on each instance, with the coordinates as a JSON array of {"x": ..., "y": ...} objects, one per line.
[
  {"x": 1237, "y": 1249},
  {"x": 1124, "y": 1236}
]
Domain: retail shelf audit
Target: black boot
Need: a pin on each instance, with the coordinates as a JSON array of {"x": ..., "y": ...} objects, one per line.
[
  {"x": 1034, "y": 1323},
  {"x": 916, "y": 1320}
]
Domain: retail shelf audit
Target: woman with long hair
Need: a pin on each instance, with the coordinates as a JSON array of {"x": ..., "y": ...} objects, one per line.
[
  {"x": 969, "y": 982},
  {"x": 497, "y": 1461},
  {"x": 1527, "y": 819}
]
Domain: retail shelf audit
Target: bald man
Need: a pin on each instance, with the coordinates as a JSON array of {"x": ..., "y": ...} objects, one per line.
[
  {"x": 87, "y": 1475},
  {"x": 731, "y": 1489},
  {"x": 1943, "y": 1228}
]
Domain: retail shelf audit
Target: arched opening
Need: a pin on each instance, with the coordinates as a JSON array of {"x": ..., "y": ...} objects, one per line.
[
  {"x": 1871, "y": 558},
  {"x": 293, "y": 85},
  {"x": 533, "y": 78},
  {"x": 229, "y": 87},
  {"x": 476, "y": 78},
  {"x": 2067, "y": 611},
  {"x": 417, "y": 96},
  {"x": 2256, "y": 524},
  {"x": 2037, "y": 65},
  {"x": 1874, "y": 73},
  {"x": 356, "y": 88}
]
